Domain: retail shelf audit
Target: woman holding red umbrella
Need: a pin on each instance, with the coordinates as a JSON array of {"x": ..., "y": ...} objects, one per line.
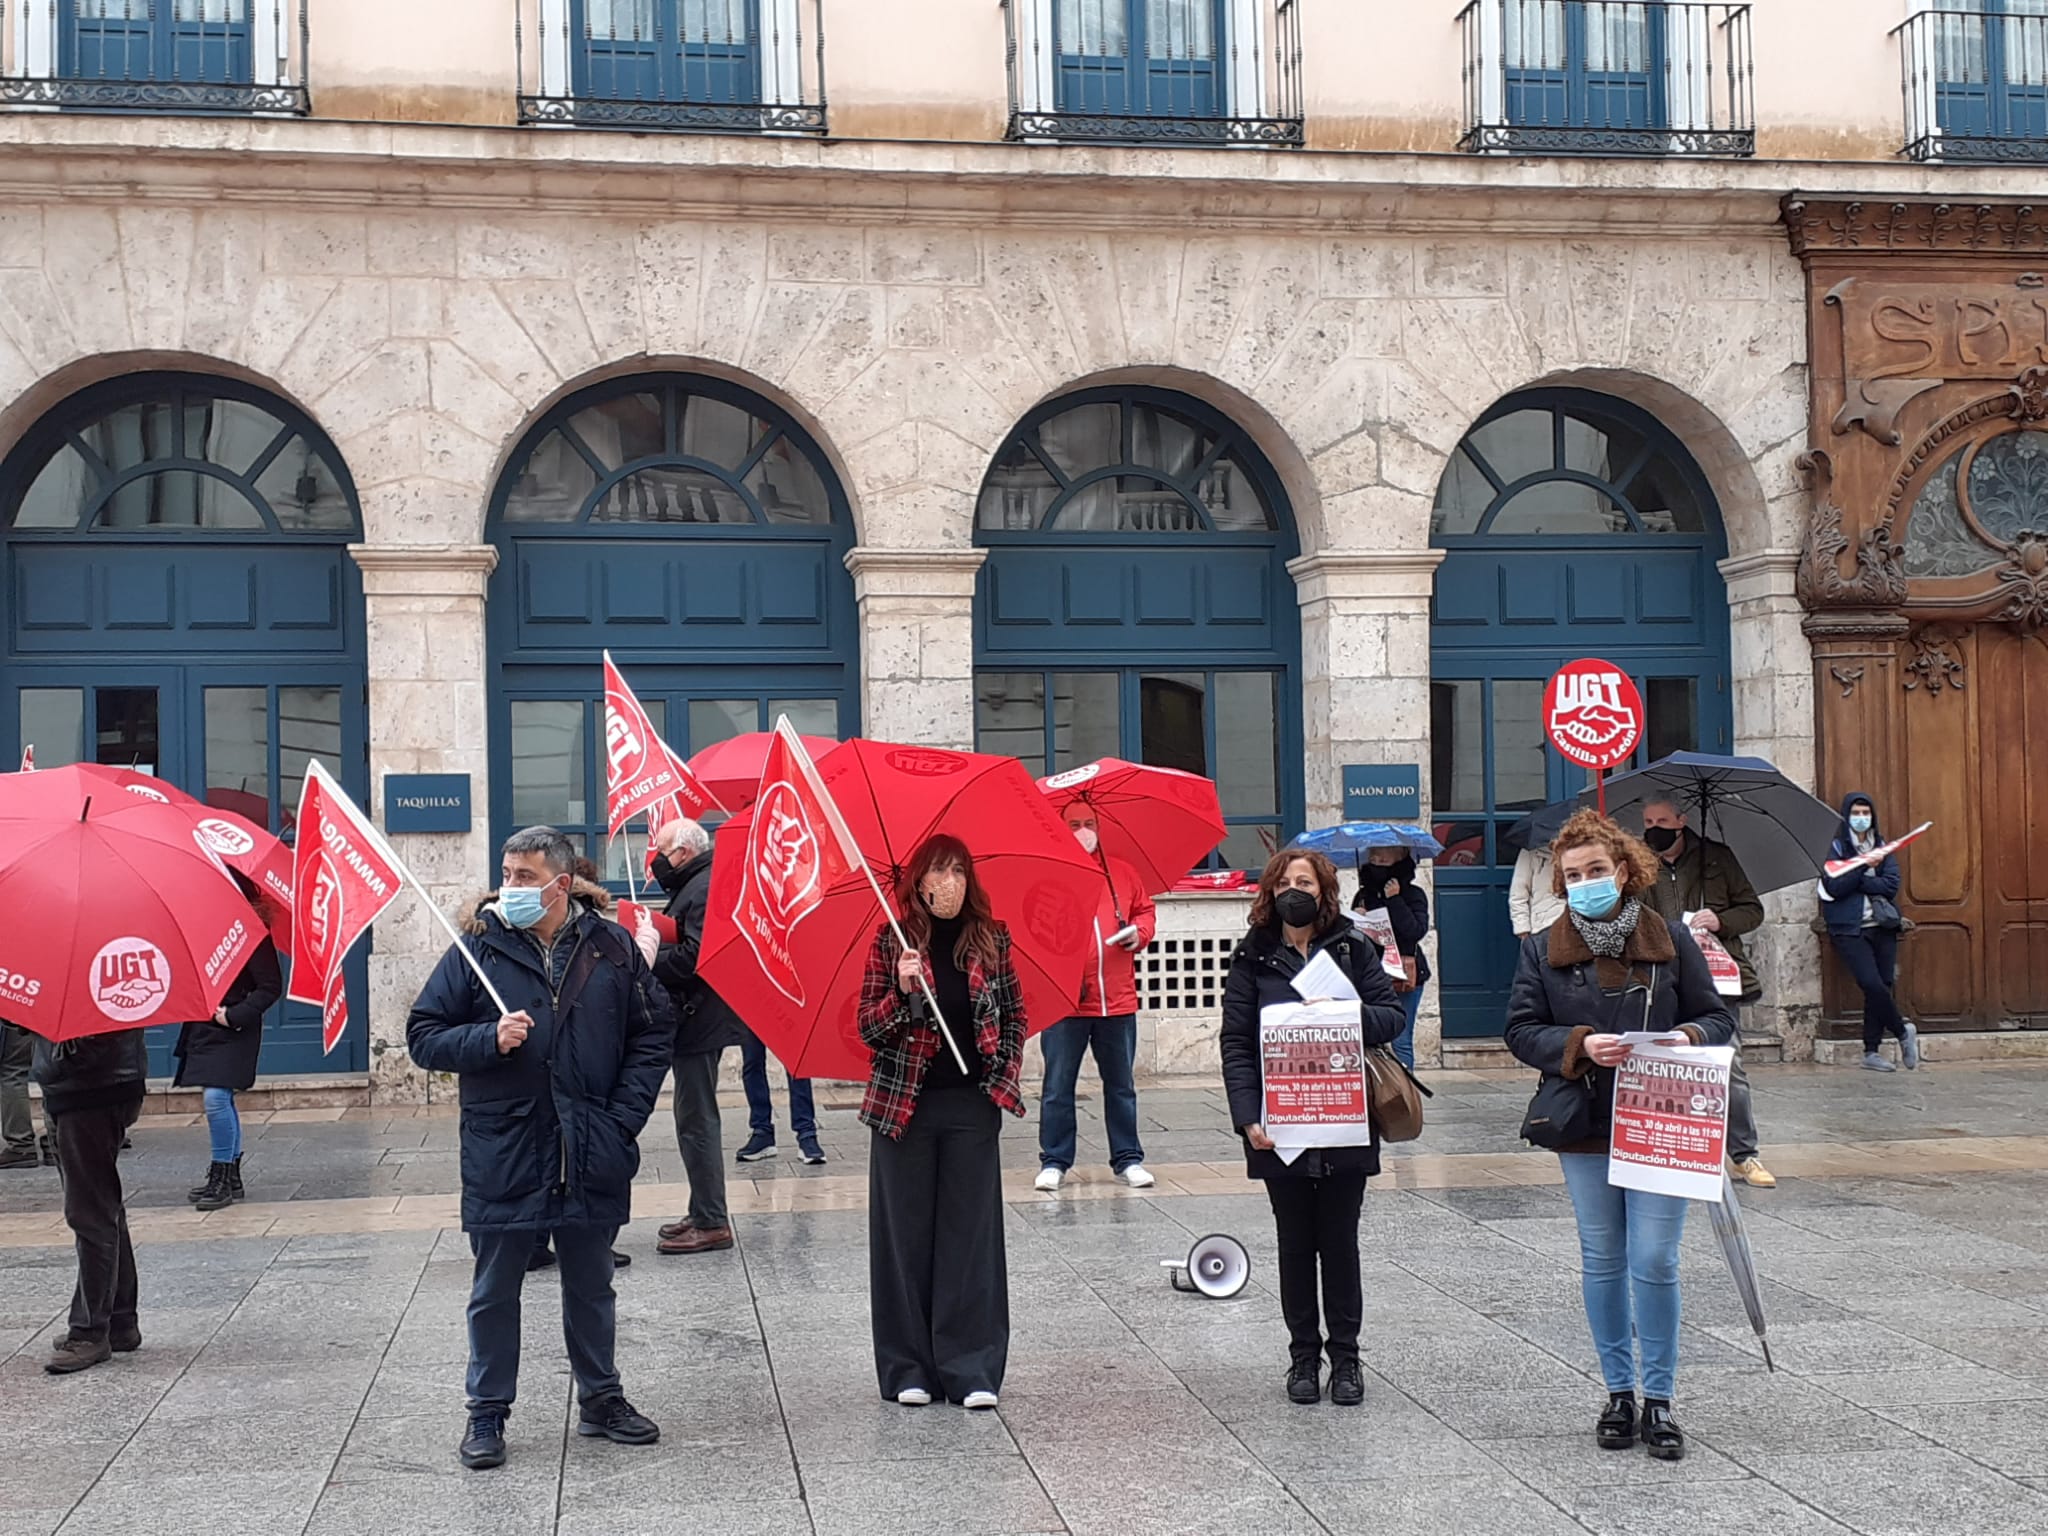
[{"x": 940, "y": 1328}]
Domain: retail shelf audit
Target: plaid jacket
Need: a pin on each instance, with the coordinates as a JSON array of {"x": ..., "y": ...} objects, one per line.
[{"x": 898, "y": 1029}]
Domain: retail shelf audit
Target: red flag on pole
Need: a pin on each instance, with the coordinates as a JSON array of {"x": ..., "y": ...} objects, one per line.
[
  {"x": 640, "y": 770},
  {"x": 343, "y": 876},
  {"x": 797, "y": 849},
  {"x": 28, "y": 758}
]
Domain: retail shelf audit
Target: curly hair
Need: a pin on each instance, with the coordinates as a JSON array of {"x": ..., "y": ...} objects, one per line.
[
  {"x": 1591, "y": 829},
  {"x": 1328, "y": 909}
]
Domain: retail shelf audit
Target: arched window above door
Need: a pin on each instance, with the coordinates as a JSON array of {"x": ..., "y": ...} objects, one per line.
[
  {"x": 1568, "y": 463},
  {"x": 180, "y": 453}
]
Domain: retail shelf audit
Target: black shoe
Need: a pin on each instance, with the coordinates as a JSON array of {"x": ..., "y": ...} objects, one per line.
[
  {"x": 1617, "y": 1426},
  {"x": 1662, "y": 1437},
  {"x": 124, "y": 1341},
  {"x": 620, "y": 1260},
  {"x": 618, "y": 1421},
  {"x": 484, "y": 1445},
  {"x": 812, "y": 1152},
  {"x": 21, "y": 1157},
  {"x": 760, "y": 1146},
  {"x": 216, "y": 1194},
  {"x": 1305, "y": 1382},
  {"x": 1347, "y": 1384},
  {"x": 540, "y": 1258}
]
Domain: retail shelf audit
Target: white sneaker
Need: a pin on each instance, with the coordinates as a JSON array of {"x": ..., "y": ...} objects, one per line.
[
  {"x": 1909, "y": 1048},
  {"x": 914, "y": 1397},
  {"x": 1137, "y": 1177},
  {"x": 979, "y": 1400},
  {"x": 1048, "y": 1180}
]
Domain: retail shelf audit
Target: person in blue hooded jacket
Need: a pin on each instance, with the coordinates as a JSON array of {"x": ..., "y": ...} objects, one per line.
[
  {"x": 554, "y": 1096},
  {"x": 1860, "y": 908}
]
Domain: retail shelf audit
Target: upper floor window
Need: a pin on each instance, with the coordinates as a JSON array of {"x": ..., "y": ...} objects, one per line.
[
  {"x": 720, "y": 66},
  {"x": 1608, "y": 77},
  {"x": 162, "y": 55},
  {"x": 1183, "y": 71},
  {"x": 1976, "y": 79}
]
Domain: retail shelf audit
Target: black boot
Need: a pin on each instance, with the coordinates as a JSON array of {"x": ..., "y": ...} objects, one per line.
[
  {"x": 1662, "y": 1437},
  {"x": 198, "y": 1191},
  {"x": 217, "y": 1194},
  {"x": 235, "y": 1177},
  {"x": 1617, "y": 1427}
]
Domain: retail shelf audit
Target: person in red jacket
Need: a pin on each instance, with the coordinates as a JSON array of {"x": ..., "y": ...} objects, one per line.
[{"x": 1105, "y": 1020}]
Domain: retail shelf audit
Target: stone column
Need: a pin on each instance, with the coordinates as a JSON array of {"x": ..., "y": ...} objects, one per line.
[
  {"x": 917, "y": 643},
  {"x": 429, "y": 713},
  {"x": 1365, "y": 685},
  {"x": 1772, "y": 682}
]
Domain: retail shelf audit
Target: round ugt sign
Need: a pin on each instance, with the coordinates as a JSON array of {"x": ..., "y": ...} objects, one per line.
[{"x": 1593, "y": 713}]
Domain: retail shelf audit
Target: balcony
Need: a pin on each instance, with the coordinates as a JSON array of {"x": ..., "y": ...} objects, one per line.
[
  {"x": 1608, "y": 77},
  {"x": 1976, "y": 83},
  {"x": 188, "y": 56},
  {"x": 691, "y": 66},
  {"x": 1191, "y": 72}
]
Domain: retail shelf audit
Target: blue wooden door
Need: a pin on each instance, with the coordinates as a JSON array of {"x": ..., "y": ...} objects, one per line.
[
  {"x": 190, "y": 41},
  {"x": 1992, "y": 70},
  {"x": 1153, "y": 58},
  {"x": 1585, "y": 64},
  {"x": 696, "y": 51}
]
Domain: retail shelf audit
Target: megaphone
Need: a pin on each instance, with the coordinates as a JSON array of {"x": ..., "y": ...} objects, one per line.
[{"x": 1217, "y": 1267}]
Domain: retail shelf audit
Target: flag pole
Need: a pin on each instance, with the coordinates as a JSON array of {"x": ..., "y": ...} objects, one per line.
[
  {"x": 409, "y": 878},
  {"x": 839, "y": 830}
]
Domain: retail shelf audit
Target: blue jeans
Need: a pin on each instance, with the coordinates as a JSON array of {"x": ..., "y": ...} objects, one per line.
[
  {"x": 803, "y": 1115},
  {"x": 1628, "y": 1253},
  {"x": 1115, "y": 1042},
  {"x": 589, "y": 1312},
  {"x": 223, "y": 1123},
  {"x": 1404, "y": 1043}
]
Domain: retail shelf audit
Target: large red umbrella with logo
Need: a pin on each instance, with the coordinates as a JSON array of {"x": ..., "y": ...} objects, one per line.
[
  {"x": 731, "y": 769},
  {"x": 118, "y": 917},
  {"x": 793, "y": 970},
  {"x": 1161, "y": 821},
  {"x": 120, "y": 793}
]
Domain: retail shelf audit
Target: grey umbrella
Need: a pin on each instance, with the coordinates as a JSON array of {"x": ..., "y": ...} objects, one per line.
[
  {"x": 1741, "y": 1262},
  {"x": 1777, "y": 831}
]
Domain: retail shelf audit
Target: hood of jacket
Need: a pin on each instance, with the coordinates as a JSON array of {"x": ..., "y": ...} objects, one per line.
[
  {"x": 1844, "y": 834},
  {"x": 592, "y": 895}
]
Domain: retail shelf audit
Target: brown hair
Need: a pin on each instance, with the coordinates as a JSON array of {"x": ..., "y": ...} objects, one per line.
[
  {"x": 980, "y": 933},
  {"x": 1589, "y": 829},
  {"x": 1328, "y": 911}
]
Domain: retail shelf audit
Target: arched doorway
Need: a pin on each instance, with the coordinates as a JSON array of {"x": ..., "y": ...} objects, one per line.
[
  {"x": 180, "y": 600},
  {"x": 697, "y": 532},
  {"x": 1573, "y": 524},
  {"x": 1135, "y": 603}
]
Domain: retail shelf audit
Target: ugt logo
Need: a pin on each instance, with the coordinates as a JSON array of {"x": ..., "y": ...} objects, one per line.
[
  {"x": 783, "y": 883},
  {"x": 1594, "y": 715},
  {"x": 324, "y": 910},
  {"x": 130, "y": 978},
  {"x": 223, "y": 837},
  {"x": 624, "y": 751}
]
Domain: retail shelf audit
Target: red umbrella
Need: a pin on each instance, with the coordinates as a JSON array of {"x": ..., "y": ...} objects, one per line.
[
  {"x": 1160, "y": 820},
  {"x": 731, "y": 769},
  {"x": 240, "y": 844},
  {"x": 892, "y": 799},
  {"x": 118, "y": 918}
]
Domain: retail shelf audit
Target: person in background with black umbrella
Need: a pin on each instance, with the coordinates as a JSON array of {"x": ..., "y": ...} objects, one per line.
[{"x": 1704, "y": 878}]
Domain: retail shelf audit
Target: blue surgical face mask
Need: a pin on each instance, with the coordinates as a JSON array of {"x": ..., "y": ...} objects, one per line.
[
  {"x": 1594, "y": 898},
  {"x": 1859, "y": 822},
  {"x": 524, "y": 905}
]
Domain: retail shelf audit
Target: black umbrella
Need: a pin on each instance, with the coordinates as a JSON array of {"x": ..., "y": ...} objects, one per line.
[
  {"x": 1536, "y": 829},
  {"x": 1777, "y": 831},
  {"x": 1741, "y": 1262}
]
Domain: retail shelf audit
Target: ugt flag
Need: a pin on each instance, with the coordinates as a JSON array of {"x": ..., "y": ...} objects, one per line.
[
  {"x": 343, "y": 876},
  {"x": 796, "y": 850},
  {"x": 640, "y": 771},
  {"x": 28, "y": 758}
]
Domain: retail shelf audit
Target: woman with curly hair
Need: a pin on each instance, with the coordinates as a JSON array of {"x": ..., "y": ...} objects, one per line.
[
  {"x": 1609, "y": 965},
  {"x": 941, "y": 1320}
]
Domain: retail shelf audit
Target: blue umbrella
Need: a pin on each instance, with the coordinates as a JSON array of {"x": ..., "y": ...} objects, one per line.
[{"x": 1348, "y": 841}]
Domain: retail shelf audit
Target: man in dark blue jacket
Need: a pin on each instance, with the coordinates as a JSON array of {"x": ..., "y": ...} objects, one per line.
[{"x": 554, "y": 1096}]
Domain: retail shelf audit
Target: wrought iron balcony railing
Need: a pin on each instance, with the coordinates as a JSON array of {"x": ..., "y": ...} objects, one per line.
[
  {"x": 192, "y": 56},
  {"x": 1976, "y": 85},
  {"x": 1608, "y": 77},
  {"x": 699, "y": 66},
  {"x": 1156, "y": 71}
]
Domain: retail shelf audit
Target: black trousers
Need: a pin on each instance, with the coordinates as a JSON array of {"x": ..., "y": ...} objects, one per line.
[
  {"x": 1873, "y": 959},
  {"x": 1318, "y": 1224},
  {"x": 88, "y": 1161},
  {"x": 939, "y": 1285}
]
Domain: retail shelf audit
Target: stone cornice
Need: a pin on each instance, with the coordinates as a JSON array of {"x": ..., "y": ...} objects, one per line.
[
  {"x": 1766, "y": 573},
  {"x": 913, "y": 573},
  {"x": 329, "y": 165},
  {"x": 425, "y": 570},
  {"x": 1959, "y": 221},
  {"x": 1399, "y": 574}
]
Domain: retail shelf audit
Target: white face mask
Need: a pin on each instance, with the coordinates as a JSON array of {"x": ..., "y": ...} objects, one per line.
[{"x": 1085, "y": 836}]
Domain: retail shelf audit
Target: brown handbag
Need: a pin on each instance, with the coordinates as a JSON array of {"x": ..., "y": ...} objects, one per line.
[{"x": 1393, "y": 1095}]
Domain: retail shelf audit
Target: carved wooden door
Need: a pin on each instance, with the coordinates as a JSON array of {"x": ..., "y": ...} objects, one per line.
[{"x": 2012, "y": 669}]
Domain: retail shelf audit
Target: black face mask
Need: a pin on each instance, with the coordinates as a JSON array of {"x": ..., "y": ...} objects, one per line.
[
  {"x": 1297, "y": 909},
  {"x": 1402, "y": 870},
  {"x": 666, "y": 875},
  {"x": 1661, "y": 839}
]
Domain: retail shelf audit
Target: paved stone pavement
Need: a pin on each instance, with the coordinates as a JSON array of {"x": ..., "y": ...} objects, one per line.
[{"x": 301, "y": 1371}]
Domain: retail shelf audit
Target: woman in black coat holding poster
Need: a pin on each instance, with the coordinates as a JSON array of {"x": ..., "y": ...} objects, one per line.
[{"x": 1317, "y": 1198}]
